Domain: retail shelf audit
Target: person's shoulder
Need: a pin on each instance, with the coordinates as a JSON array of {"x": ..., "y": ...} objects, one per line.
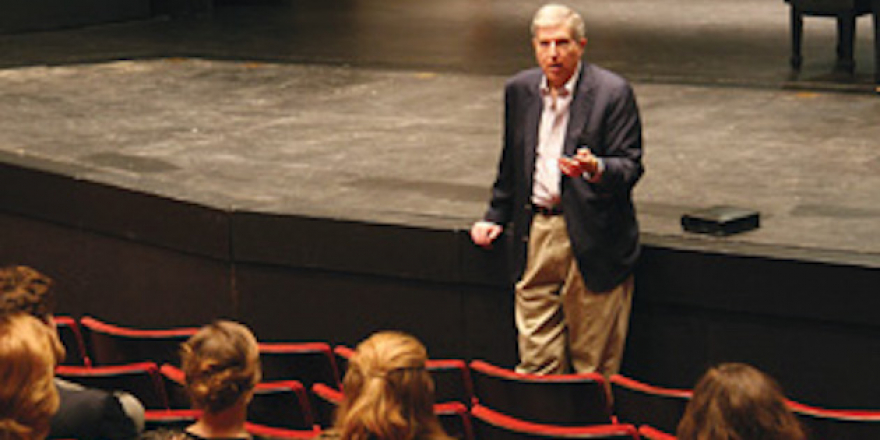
[
  {"x": 604, "y": 77},
  {"x": 527, "y": 78},
  {"x": 80, "y": 413},
  {"x": 80, "y": 397},
  {"x": 86, "y": 413}
]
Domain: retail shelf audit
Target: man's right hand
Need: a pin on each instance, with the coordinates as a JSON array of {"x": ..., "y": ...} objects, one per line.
[{"x": 484, "y": 233}]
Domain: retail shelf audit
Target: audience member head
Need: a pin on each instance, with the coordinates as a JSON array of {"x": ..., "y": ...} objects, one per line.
[
  {"x": 389, "y": 394},
  {"x": 29, "y": 352},
  {"x": 221, "y": 363},
  {"x": 736, "y": 401},
  {"x": 25, "y": 290}
]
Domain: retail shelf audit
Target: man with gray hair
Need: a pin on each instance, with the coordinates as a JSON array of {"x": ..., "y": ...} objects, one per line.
[{"x": 572, "y": 153}]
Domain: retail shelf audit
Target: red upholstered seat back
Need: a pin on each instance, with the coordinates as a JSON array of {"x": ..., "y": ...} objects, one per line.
[{"x": 569, "y": 400}]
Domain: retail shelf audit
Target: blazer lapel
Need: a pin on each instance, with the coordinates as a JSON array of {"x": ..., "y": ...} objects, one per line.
[
  {"x": 581, "y": 107},
  {"x": 534, "y": 105}
]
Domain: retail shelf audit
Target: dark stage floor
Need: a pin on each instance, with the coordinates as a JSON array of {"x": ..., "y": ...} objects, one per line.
[{"x": 389, "y": 111}]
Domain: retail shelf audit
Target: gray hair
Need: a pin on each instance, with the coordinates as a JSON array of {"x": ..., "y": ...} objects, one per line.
[{"x": 553, "y": 14}]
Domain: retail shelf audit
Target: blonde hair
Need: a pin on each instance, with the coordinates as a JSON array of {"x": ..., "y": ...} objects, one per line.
[
  {"x": 221, "y": 364},
  {"x": 29, "y": 352},
  {"x": 553, "y": 14},
  {"x": 736, "y": 401},
  {"x": 389, "y": 395}
]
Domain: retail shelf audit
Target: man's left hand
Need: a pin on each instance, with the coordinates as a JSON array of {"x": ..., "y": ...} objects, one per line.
[{"x": 582, "y": 162}]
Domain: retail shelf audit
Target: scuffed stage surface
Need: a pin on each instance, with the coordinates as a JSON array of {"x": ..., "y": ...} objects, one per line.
[
  {"x": 390, "y": 112},
  {"x": 420, "y": 148}
]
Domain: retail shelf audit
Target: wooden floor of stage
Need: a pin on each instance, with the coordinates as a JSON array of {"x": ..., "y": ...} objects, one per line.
[{"x": 390, "y": 112}]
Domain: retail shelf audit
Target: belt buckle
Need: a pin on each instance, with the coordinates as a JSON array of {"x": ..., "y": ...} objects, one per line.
[{"x": 543, "y": 210}]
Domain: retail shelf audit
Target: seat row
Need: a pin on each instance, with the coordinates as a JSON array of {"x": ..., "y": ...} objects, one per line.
[
  {"x": 277, "y": 404},
  {"x": 283, "y": 408},
  {"x": 302, "y": 385}
]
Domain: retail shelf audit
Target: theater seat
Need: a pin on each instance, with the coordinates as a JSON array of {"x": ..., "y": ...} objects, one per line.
[
  {"x": 567, "y": 400},
  {"x": 174, "y": 381},
  {"x": 140, "y": 379},
  {"x": 307, "y": 362},
  {"x": 492, "y": 425},
  {"x": 343, "y": 354},
  {"x": 282, "y": 404},
  {"x": 110, "y": 344},
  {"x": 639, "y": 404},
  {"x": 651, "y": 433},
  {"x": 326, "y": 400},
  {"x": 455, "y": 419},
  {"x": 836, "y": 424},
  {"x": 452, "y": 381},
  {"x": 74, "y": 345}
]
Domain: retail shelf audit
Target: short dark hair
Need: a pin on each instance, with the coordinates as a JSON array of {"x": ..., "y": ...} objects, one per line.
[{"x": 26, "y": 290}]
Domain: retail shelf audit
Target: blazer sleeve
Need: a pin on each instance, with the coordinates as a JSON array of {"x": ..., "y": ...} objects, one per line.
[
  {"x": 500, "y": 209},
  {"x": 623, "y": 139}
]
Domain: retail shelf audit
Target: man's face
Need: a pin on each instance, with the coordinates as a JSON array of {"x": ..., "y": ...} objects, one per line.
[{"x": 557, "y": 53}]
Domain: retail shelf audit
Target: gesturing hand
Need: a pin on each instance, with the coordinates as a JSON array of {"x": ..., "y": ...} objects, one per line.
[{"x": 582, "y": 162}]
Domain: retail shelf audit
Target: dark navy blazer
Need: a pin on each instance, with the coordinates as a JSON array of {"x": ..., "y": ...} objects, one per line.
[{"x": 600, "y": 216}]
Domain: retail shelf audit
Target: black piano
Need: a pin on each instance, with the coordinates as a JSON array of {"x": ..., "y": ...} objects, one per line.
[{"x": 846, "y": 12}]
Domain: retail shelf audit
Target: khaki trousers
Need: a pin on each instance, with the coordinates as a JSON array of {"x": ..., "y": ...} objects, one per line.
[{"x": 563, "y": 326}]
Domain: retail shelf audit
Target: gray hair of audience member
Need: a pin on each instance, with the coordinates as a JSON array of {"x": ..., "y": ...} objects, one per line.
[{"x": 553, "y": 14}]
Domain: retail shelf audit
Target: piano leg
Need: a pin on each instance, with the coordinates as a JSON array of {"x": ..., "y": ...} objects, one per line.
[
  {"x": 797, "y": 30},
  {"x": 846, "y": 31},
  {"x": 875, "y": 12}
]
